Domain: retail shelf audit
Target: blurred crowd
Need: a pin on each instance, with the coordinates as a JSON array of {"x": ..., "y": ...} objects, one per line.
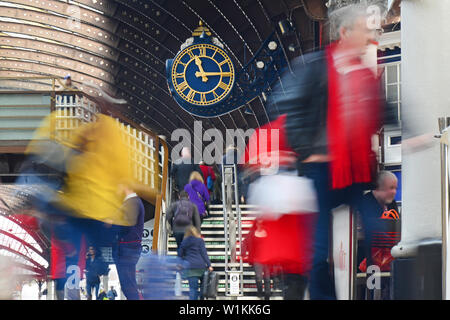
[{"x": 324, "y": 112}]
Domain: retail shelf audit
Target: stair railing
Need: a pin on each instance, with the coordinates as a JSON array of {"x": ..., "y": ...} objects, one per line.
[{"x": 233, "y": 232}]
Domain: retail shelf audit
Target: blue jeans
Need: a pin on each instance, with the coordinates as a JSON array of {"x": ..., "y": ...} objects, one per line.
[
  {"x": 321, "y": 282},
  {"x": 126, "y": 257},
  {"x": 179, "y": 236},
  {"x": 89, "y": 287},
  {"x": 194, "y": 293}
]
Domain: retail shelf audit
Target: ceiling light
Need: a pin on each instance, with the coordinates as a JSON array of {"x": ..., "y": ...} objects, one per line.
[{"x": 272, "y": 45}]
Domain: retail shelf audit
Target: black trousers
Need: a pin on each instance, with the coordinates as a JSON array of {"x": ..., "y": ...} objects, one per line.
[{"x": 294, "y": 286}]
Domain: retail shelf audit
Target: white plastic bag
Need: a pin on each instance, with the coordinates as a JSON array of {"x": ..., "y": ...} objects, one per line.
[{"x": 283, "y": 193}]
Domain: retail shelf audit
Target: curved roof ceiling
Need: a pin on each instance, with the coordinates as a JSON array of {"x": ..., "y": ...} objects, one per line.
[{"x": 122, "y": 46}]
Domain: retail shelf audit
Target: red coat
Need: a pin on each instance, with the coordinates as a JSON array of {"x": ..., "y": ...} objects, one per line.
[
  {"x": 254, "y": 159},
  {"x": 207, "y": 171},
  {"x": 287, "y": 243}
]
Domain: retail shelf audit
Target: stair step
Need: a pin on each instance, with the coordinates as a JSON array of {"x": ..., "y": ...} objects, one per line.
[
  {"x": 206, "y": 239},
  {"x": 246, "y": 218},
  {"x": 243, "y": 213},
  {"x": 210, "y": 253},
  {"x": 252, "y": 206},
  {"x": 219, "y": 232},
  {"x": 212, "y": 230}
]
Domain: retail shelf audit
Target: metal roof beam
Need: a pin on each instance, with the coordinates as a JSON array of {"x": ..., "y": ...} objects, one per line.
[
  {"x": 73, "y": 23},
  {"x": 60, "y": 37},
  {"x": 61, "y": 50},
  {"x": 75, "y": 67},
  {"x": 30, "y": 67}
]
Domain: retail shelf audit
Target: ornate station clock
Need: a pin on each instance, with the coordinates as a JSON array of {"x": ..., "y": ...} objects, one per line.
[
  {"x": 203, "y": 80},
  {"x": 203, "y": 74}
]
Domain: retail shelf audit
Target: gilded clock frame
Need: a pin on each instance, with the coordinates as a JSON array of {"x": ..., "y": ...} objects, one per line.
[{"x": 189, "y": 98}]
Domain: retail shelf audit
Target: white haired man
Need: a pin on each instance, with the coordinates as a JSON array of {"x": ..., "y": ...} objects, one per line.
[{"x": 332, "y": 102}]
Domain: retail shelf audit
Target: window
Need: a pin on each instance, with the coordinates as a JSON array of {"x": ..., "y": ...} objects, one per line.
[{"x": 391, "y": 81}]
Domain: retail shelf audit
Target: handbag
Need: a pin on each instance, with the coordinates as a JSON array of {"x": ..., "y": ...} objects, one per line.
[{"x": 210, "y": 284}]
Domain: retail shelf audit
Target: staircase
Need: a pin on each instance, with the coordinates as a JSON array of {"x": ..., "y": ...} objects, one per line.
[{"x": 212, "y": 230}]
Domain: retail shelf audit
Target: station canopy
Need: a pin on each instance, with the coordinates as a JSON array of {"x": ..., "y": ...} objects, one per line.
[{"x": 122, "y": 46}]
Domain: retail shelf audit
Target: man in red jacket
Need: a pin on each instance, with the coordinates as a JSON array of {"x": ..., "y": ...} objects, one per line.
[{"x": 333, "y": 108}]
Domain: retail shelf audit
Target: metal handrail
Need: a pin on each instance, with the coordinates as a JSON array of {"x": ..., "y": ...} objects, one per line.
[
  {"x": 444, "y": 128},
  {"x": 53, "y": 81},
  {"x": 231, "y": 223}
]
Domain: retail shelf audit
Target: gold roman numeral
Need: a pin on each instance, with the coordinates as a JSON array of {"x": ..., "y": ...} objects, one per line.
[
  {"x": 191, "y": 55},
  {"x": 179, "y": 75},
  {"x": 215, "y": 95},
  {"x": 223, "y": 62},
  {"x": 202, "y": 51},
  {"x": 202, "y": 97},
  {"x": 183, "y": 86},
  {"x": 215, "y": 51},
  {"x": 190, "y": 95},
  {"x": 223, "y": 85}
]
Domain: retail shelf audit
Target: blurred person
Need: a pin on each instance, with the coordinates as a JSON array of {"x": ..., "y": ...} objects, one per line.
[
  {"x": 74, "y": 191},
  {"x": 76, "y": 177},
  {"x": 94, "y": 269},
  {"x": 216, "y": 197},
  {"x": 198, "y": 193},
  {"x": 102, "y": 295},
  {"x": 182, "y": 169},
  {"x": 193, "y": 251},
  {"x": 381, "y": 222},
  {"x": 232, "y": 156},
  {"x": 127, "y": 250},
  {"x": 252, "y": 242},
  {"x": 333, "y": 106},
  {"x": 209, "y": 176},
  {"x": 181, "y": 215},
  {"x": 92, "y": 178},
  {"x": 159, "y": 275},
  {"x": 281, "y": 238},
  {"x": 9, "y": 277},
  {"x": 112, "y": 293},
  {"x": 68, "y": 86}
]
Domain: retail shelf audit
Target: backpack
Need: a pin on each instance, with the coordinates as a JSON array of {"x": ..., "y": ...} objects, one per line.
[
  {"x": 183, "y": 213},
  {"x": 209, "y": 183}
]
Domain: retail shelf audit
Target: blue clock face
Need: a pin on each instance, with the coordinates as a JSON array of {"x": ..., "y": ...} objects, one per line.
[{"x": 202, "y": 74}]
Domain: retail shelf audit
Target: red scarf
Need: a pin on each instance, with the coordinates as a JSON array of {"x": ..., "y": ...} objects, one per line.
[{"x": 351, "y": 125}]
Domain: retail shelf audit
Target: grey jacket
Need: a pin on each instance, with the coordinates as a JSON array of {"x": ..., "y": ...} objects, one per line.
[{"x": 171, "y": 214}]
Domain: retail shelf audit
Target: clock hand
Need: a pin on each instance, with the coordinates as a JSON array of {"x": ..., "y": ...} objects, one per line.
[
  {"x": 200, "y": 73},
  {"x": 225, "y": 74}
]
